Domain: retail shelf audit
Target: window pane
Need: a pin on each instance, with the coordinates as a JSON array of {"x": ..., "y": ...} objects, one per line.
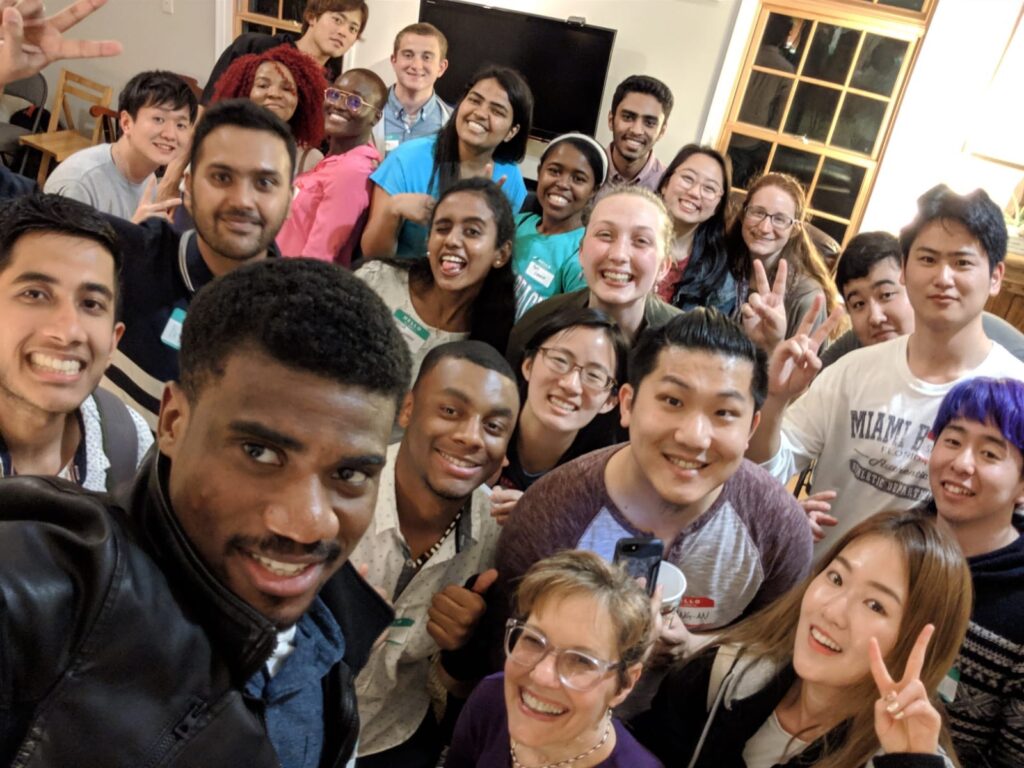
[
  {"x": 796, "y": 163},
  {"x": 782, "y": 42},
  {"x": 913, "y": 5},
  {"x": 292, "y": 10},
  {"x": 748, "y": 156},
  {"x": 812, "y": 111},
  {"x": 860, "y": 121},
  {"x": 831, "y": 53},
  {"x": 837, "y": 189},
  {"x": 765, "y": 100},
  {"x": 249, "y": 26},
  {"x": 879, "y": 64},
  {"x": 833, "y": 228},
  {"x": 266, "y": 7}
]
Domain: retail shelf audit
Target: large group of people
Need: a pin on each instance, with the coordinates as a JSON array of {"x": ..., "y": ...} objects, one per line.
[{"x": 321, "y": 438}]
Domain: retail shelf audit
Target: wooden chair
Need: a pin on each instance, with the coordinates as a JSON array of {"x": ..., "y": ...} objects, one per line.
[{"x": 60, "y": 144}]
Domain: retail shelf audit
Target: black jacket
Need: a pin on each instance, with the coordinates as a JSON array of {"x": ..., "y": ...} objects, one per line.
[{"x": 119, "y": 648}]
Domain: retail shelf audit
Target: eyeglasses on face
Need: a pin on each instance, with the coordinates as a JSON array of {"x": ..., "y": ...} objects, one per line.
[
  {"x": 592, "y": 377},
  {"x": 756, "y": 214},
  {"x": 351, "y": 101},
  {"x": 708, "y": 190},
  {"x": 527, "y": 646}
]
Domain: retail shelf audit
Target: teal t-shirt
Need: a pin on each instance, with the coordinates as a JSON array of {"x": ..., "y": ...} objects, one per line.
[
  {"x": 408, "y": 168},
  {"x": 544, "y": 265}
]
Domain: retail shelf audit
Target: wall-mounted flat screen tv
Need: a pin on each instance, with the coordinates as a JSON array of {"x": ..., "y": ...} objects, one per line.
[{"x": 565, "y": 63}]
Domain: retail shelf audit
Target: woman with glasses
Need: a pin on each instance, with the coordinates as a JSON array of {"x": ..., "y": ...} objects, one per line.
[
  {"x": 574, "y": 653},
  {"x": 695, "y": 188},
  {"x": 570, "y": 375},
  {"x": 485, "y": 137},
  {"x": 768, "y": 232},
  {"x": 330, "y": 202},
  {"x": 546, "y": 260}
]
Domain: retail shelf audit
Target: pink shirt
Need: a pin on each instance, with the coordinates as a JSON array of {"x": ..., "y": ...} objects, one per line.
[{"x": 330, "y": 206}]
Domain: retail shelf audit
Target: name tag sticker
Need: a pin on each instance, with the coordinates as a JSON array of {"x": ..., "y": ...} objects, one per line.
[
  {"x": 540, "y": 273},
  {"x": 171, "y": 335},
  {"x": 391, "y": 141},
  {"x": 415, "y": 333},
  {"x": 948, "y": 686},
  {"x": 398, "y": 632}
]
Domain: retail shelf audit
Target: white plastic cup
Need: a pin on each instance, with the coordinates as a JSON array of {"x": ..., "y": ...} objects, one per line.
[{"x": 673, "y": 585}]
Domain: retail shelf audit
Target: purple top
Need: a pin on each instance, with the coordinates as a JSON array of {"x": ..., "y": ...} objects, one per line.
[{"x": 481, "y": 734}]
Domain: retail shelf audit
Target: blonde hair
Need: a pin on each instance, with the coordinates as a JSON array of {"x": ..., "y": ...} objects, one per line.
[
  {"x": 665, "y": 233},
  {"x": 578, "y": 573},
  {"x": 939, "y": 592}
]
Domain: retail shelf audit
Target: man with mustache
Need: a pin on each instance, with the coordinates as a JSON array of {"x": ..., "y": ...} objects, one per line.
[
  {"x": 214, "y": 619},
  {"x": 640, "y": 109}
]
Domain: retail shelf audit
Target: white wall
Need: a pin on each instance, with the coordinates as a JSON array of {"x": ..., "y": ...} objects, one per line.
[{"x": 681, "y": 42}]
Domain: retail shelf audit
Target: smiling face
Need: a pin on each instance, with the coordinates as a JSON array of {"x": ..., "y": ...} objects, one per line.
[
  {"x": 57, "y": 329},
  {"x": 334, "y": 32},
  {"x": 947, "y": 275},
  {"x": 418, "y": 62},
  {"x": 877, "y": 304},
  {"x": 976, "y": 474},
  {"x": 462, "y": 245},
  {"x": 340, "y": 121},
  {"x": 563, "y": 402},
  {"x": 156, "y": 133},
  {"x": 274, "y": 475},
  {"x": 694, "y": 190},
  {"x": 458, "y": 420},
  {"x": 765, "y": 240},
  {"x": 621, "y": 252},
  {"x": 485, "y": 117},
  {"x": 859, "y": 595},
  {"x": 565, "y": 183},
  {"x": 273, "y": 87},
  {"x": 636, "y": 125},
  {"x": 690, "y": 422},
  {"x": 544, "y": 714}
]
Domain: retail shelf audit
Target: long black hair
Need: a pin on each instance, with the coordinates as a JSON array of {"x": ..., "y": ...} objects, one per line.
[
  {"x": 709, "y": 258},
  {"x": 446, "y": 150}
]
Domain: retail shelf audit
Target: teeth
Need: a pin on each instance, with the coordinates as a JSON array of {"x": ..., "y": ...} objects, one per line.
[
  {"x": 55, "y": 364},
  {"x": 561, "y": 404},
  {"x": 824, "y": 640},
  {"x": 558, "y": 199},
  {"x": 684, "y": 464},
  {"x": 477, "y": 127},
  {"x": 617, "y": 277},
  {"x": 453, "y": 260},
  {"x": 541, "y": 706},
  {"x": 277, "y": 567},
  {"x": 957, "y": 490},
  {"x": 457, "y": 461}
]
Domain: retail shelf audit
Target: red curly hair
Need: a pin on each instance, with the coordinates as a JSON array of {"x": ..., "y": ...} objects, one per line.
[{"x": 307, "y": 123}]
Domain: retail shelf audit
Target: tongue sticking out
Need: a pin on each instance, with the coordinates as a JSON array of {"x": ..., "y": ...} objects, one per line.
[{"x": 452, "y": 266}]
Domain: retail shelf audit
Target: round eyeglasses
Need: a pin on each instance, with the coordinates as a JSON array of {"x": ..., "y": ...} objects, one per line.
[
  {"x": 351, "y": 101},
  {"x": 527, "y": 647},
  {"x": 592, "y": 377},
  {"x": 757, "y": 214},
  {"x": 708, "y": 190}
]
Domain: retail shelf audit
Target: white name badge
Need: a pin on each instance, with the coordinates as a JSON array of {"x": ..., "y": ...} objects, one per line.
[
  {"x": 171, "y": 335},
  {"x": 415, "y": 333},
  {"x": 948, "y": 687},
  {"x": 540, "y": 273}
]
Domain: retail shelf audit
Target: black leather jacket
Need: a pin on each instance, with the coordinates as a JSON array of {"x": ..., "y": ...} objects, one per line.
[{"x": 119, "y": 648}]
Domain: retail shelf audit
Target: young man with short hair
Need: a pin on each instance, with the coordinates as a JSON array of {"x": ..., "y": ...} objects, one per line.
[
  {"x": 329, "y": 29},
  {"x": 215, "y": 620},
  {"x": 59, "y": 261},
  {"x": 414, "y": 109},
  {"x": 432, "y": 544},
  {"x": 865, "y": 420},
  {"x": 641, "y": 106},
  {"x": 156, "y": 111}
]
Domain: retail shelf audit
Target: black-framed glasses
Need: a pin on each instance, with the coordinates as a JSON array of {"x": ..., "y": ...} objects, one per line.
[
  {"x": 352, "y": 101},
  {"x": 592, "y": 377},
  {"x": 527, "y": 646},
  {"x": 756, "y": 214},
  {"x": 708, "y": 190}
]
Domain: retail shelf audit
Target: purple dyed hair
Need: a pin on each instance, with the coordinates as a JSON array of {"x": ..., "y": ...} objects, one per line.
[{"x": 999, "y": 402}]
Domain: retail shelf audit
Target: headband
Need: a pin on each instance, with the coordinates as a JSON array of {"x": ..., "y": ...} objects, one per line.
[{"x": 601, "y": 153}]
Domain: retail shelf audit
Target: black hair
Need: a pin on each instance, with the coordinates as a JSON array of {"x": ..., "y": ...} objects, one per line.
[
  {"x": 446, "y": 150},
  {"x": 862, "y": 253},
  {"x": 709, "y": 258},
  {"x": 317, "y": 8},
  {"x": 305, "y": 314},
  {"x": 644, "y": 84},
  {"x": 477, "y": 352},
  {"x": 580, "y": 317},
  {"x": 975, "y": 211},
  {"x": 702, "y": 329},
  {"x": 598, "y": 163},
  {"x": 241, "y": 113},
  {"x": 157, "y": 89}
]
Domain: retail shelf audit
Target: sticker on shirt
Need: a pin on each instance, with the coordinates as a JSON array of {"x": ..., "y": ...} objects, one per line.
[
  {"x": 171, "y": 335},
  {"x": 391, "y": 141},
  {"x": 948, "y": 687},
  {"x": 399, "y": 631},
  {"x": 539, "y": 272},
  {"x": 415, "y": 333},
  {"x": 697, "y": 612}
]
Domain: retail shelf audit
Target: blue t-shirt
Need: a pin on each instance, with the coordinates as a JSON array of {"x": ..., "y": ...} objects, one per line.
[
  {"x": 544, "y": 265},
  {"x": 408, "y": 168}
]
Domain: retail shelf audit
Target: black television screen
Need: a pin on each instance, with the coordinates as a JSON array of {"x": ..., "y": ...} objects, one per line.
[{"x": 566, "y": 64}]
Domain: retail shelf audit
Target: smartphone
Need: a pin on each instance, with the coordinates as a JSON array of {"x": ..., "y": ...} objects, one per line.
[{"x": 640, "y": 557}]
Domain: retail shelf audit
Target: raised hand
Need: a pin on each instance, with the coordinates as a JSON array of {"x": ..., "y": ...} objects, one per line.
[
  {"x": 413, "y": 206},
  {"x": 30, "y": 41},
  {"x": 163, "y": 209},
  {"x": 817, "y": 507},
  {"x": 503, "y": 501},
  {"x": 794, "y": 363},
  {"x": 905, "y": 720},
  {"x": 455, "y": 611},
  {"x": 764, "y": 313}
]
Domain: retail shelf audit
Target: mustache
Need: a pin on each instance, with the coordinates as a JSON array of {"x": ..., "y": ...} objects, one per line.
[
  {"x": 269, "y": 546},
  {"x": 241, "y": 213}
]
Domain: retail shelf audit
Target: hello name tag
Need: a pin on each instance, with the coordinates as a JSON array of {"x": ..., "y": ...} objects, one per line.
[
  {"x": 948, "y": 687},
  {"x": 398, "y": 632},
  {"x": 171, "y": 335},
  {"x": 391, "y": 141},
  {"x": 415, "y": 333},
  {"x": 540, "y": 273}
]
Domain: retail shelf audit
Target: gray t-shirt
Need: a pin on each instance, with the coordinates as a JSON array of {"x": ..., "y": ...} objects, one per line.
[{"x": 90, "y": 176}]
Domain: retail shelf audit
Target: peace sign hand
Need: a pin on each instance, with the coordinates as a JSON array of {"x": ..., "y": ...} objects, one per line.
[
  {"x": 764, "y": 313},
  {"x": 794, "y": 363},
  {"x": 905, "y": 720}
]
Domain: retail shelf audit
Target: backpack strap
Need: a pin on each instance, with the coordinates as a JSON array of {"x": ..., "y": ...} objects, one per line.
[
  {"x": 120, "y": 440},
  {"x": 725, "y": 660}
]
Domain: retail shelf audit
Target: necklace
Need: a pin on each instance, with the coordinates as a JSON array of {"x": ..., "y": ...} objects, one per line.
[
  {"x": 420, "y": 561},
  {"x": 563, "y": 763}
]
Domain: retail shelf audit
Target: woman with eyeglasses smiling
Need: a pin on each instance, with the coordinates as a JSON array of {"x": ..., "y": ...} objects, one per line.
[{"x": 576, "y": 652}]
